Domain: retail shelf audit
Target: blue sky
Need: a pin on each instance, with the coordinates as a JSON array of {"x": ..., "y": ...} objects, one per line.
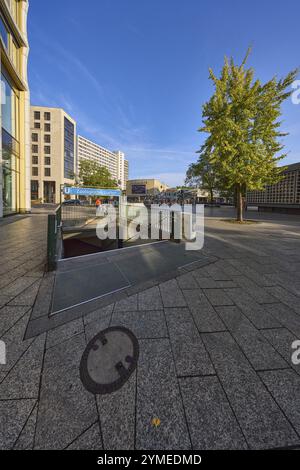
[{"x": 134, "y": 73}]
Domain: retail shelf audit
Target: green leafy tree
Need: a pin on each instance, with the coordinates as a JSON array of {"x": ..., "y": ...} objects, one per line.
[
  {"x": 94, "y": 175},
  {"x": 202, "y": 175},
  {"x": 241, "y": 120}
]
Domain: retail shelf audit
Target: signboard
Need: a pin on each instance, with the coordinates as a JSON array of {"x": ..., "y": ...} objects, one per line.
[
  {"x": 78, "y": 191},
  {"x": 138, "y": 189}
]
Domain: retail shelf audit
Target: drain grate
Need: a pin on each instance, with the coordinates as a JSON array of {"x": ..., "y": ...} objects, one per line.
[{"x": 109, "y": 360}]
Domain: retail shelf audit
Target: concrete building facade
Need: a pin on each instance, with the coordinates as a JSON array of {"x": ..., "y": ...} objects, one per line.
[
  {"x": 115, "y": 162},
  {"x": 15, "y": 109},
  {"x": 284, "y": 195},
  {"x": 53, "y": 153},
  {"x": 141, "y": 188}
]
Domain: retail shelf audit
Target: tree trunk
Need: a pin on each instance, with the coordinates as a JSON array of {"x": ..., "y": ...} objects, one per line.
[
  {"x": 239, "y": 197},
  {"x": 211, "y": 196}
]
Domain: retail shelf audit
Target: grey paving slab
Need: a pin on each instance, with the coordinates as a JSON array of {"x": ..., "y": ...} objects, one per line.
[
  {"x": 285, "y": 317},
  {"x": 256, "y": 313},
  {"x": 15, "y": 346},
  {"x": 217, "y": 274},
  {"x": 143, "y": 324},
  {"x": 64, "y": 332},
  {"x": 128, "y": 304},
  {"x": 28, "y": 296},
  {"x": 285, "y": 297},
  {"x": 18, "y": 286},
  {"x": 217, "y": 297},
  {"x": 259, "y": 294},
  {"x": 211, "y": 421},
  {"x": 24, "y": 378},
  {"x": 89, "y": 440},
  {"x": 43, "y": 301},
  {"x": 66, "y": 409},
  {"x": 4, "y": 300},
  {"x": 98, "y": 314},
  {"x": 158, "y": 397},
  {"x": 258, "y": 351},
  {"x": 284, "y": 385},
  {"x": 150, "y": 299},
  {"x": 9, "y": 316},
  {"x": 26, "y": 439},
  {"x": 262, "y": 422},
  {"x": 13, "y": 416},
  {"x": 187, "y": 281},
  {"x": 93, "y": 328},
  {"x": 171, "y": 294},
  {"x": 282, "y": 340},
  {"x": 205, "y": 316},
  {"x": 188, "y": 349},
  {"x": 117, "y": 417}
]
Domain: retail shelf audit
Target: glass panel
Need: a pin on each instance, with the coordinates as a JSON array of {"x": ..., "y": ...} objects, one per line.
[
  {"x": 10, "y": 107},
  {"x": 69, "y": 150},
  {"x": 3, "y": 32}
]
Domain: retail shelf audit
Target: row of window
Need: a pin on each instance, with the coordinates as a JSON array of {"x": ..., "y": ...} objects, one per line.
[
  {"x": 35, "y": 171},
  {"x": 47, "y": 127},
  {"x": 35, "y": 160},
  {"x": 47, "y": 138},
  {"x": 47, "y": 149},
  {"x": 37, "y": 116}
]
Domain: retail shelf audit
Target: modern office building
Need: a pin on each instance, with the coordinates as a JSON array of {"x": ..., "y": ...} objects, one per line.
[
  {"x": 141, "y": 188},
  {"x": 15, "y": 109},
  {"x": 114, "y": 161},
  {"x": 53, "y": 153},
  {"x": 283, "y": 196}
]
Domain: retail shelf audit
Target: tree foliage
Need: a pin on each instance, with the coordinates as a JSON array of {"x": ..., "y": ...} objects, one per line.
[
  {"x": 94, "y": 175},
  {"x": 244, "y": 146}
]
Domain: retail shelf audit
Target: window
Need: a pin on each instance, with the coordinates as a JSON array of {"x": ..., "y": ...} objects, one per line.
[
  {"x": 3, "y": 32},
  {"x": 47, "y": 150},
  {"x": 47, "y": 171},
  {"x": 47, "y": 161},
  {"x": 35, "y": 149},
  {"x": 37, "y": 115},
  {"x": 35, "y": 137},
  {"x": 69, "y": 150},
  {"x": 47, "y": 138},
  {"x": 37, "y": 125},
  {"x": 14, "y": 53},
  {"x": 35, "y": 171},
  {"x": 35, "y": 160},
  {"x": 47, "y": 116},
  {"x": 47, "y": 127},
  {"x": 34, "y": 190}
]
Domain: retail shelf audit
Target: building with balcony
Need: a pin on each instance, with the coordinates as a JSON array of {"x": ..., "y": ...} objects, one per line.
[
  {"x": 53, "y": 153},
  {"x": 280, "y": 197},
  {"x": 114, "y": 161},
  {"x": 15, "y": 109}
]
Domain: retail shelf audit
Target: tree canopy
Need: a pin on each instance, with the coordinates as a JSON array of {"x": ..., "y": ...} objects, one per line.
[
  {"x": 244, "y": 145},
  {"x": 94, "y": 175}
]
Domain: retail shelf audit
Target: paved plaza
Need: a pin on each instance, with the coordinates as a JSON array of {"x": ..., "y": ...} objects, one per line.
[{"x": 215, "y": 346}]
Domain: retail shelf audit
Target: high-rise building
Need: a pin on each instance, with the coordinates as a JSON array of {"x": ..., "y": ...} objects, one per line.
[
  {"x": 53, "y": 153},
  {"x": 114, "y": 161},
  {"x": 15, "y": 109}
]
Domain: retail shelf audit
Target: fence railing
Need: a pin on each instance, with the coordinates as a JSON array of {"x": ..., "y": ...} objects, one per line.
[{"x": 54, "y": 239}]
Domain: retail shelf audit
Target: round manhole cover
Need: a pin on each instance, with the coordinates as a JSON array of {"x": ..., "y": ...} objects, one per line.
[{"x": 108, "y": 360}]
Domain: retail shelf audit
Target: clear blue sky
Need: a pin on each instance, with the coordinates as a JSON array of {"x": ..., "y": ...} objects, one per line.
[{"x": 134, "y": 73}]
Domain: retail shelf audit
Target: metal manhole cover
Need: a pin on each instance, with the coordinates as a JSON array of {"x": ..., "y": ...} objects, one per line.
[{"x": 108, "y": 360}]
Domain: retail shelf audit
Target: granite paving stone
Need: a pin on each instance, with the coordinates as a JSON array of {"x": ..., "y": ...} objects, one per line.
[
  {"x": 217, "y": 297},
  {"x": 64, "y": 332},
  {"x": 171, "y": 294},
  {"x": 256, "y": 313},
  {"x": 98, "y": 314},
  {"x": 24, "y": 378},
  {"x": 205, "y": 316},
  {"x": 284, "y": 385},
  {"x": 158, "y": 397},
  {"x": 282, "y": 340},
  {"x": 43, "y": 301},
  {"x": 286, "y": 317},
  {"x": 147, "y": 324},
  {"x": 93, "y": 328},
  {"x": 127, "y": 305},
  {"x": 258, "y": 351},
  {"x": 25, "y": 440},
  {"x": 150, "y": 299},
  {"x": 259, "y": 294},
  {"x": 9, "y": 316},
  {"x": 285, "y": 297},
  {"x": 117, "y": 416},
  {"x": 14, "y": 413},
  {"x": 66, "y": 409},
  {"x": 214, "y": 425},
  {"x": 262, "y": 422},
  {"x": 187, "y": 281},
  {"x": 89, "y": 440},
  {"x": 188, "y": 349},
  {"x": 28, "y": 296}
]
